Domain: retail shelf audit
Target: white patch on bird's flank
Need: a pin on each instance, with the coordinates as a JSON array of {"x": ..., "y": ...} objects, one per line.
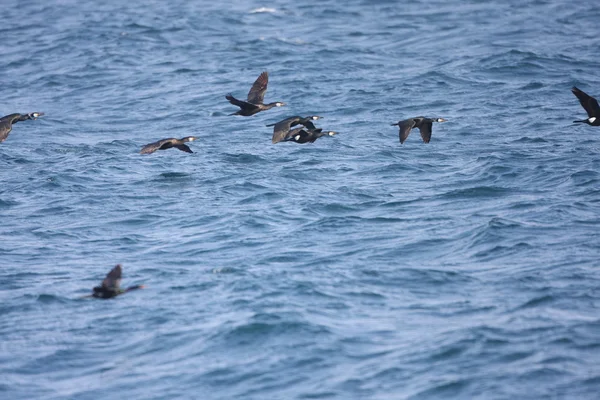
[
  {"x": 591, "y": 119},
  {"x": 297, "y": 137}
]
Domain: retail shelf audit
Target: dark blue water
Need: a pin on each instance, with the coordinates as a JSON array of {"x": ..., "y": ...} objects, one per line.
[{"x": 351, "y": 268}]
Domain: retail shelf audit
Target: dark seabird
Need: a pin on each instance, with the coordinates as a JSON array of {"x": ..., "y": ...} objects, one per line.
[
  {"x": 167, "y": 144},
  {"x": 256, "y": 95},
  {"x": 7, "y": 122},
  {"x": 282, "y": 128},
  {"x": 424, "y": 125},
  {"x": 111, "y": 285},
  {"x": 591, "y": 106},
  {"x": 302, "y": 135}
]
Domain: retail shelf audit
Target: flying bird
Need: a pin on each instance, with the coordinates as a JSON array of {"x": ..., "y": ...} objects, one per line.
[
  {"x": 165, "y": 144},
  {"x": 590, "y": 105},
  {"x": 424, "y": 125},
  {"x": 302, "y": 135},
  {"x": 111, "y": 285},
  {"x": 255, "y": 101},
  {"x": 282, "y": 128},
  {"x": 7, "y": 122}
]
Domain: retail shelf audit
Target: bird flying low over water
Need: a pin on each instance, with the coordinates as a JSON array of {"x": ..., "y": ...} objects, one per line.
[
  {"x": 303, "y": 135},
  {"x": 256, "y": 95},
  {"x": 590, "y": 105},
  {"x": 165, "y": 144},
  {"x": 424, "y": 125},
  {"x": 282, "y": 128},
  {"x": 111, "y": 285},
  {"x": 7, "y": 122}
]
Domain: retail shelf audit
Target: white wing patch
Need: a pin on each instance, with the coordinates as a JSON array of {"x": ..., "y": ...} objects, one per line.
[{"x": 591, "y": 119}]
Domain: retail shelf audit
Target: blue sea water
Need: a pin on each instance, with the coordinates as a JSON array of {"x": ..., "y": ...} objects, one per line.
[{"x": 351, "y": 268}]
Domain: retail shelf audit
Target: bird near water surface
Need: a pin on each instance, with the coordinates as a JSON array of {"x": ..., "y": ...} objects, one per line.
[
  {"x": 255, "y": 101},
  {"x": 7, "y": 122},
  {"x": 590, "y": 105},
  {"x": 282, "y": 128},
  {"x": 303, "y": 135},
  {"x": 111, "y": 285},
  {"x": 424, "y": 125},
  {"x": 165, "y": 144}
]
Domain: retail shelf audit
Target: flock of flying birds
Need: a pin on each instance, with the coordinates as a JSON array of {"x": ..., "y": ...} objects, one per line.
[
  {"x": 286, "y": 130},
  {"x": 283, "y": 131}
]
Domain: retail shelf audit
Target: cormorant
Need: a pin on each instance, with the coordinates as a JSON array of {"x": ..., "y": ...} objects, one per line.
[
  {"x": 281, "y": 128},
  {"x": 256, "y": 95},
  {"x": 591, "y": 106},
  {"x": 302, "y": 135},
  {"x": 7, "y": 122},
  {"x": 424, "y": 125},
  {"x": 167, "y": 144},
  {"x": 111, "y": 285}
]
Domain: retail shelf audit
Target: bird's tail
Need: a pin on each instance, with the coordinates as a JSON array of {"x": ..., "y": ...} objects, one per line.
[
  {"x": 396, "y": 124},
  {"x": 584, "y": 121}
]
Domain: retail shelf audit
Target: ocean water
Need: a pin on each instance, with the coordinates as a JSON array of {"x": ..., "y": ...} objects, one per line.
[{"x": 351, "y": 268}]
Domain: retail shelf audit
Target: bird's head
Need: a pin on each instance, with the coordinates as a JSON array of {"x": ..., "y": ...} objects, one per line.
[
  {"x": 35, "y": 115},
  {"x": 189, "y": 139},
  {"x": 440, "y": 120},
  {"x": 332, "y": 133},
  {"x": 279, "y": 104},
  {"x": 314, "y": 117}
]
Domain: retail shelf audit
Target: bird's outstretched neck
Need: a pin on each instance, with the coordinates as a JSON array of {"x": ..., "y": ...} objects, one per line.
[{"x": 135, "y": 287}]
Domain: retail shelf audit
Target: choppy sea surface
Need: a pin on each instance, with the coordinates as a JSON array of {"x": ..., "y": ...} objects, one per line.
[{"x": 351, "y": 268}]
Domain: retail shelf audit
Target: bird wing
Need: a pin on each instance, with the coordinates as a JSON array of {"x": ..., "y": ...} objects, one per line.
[
  {"x": 113, "y": 279},
  {"x": 589, "y": 103},
  {"x": 6, "y": 123},
  {"x": 425, "y": 130},
  {"x": 308, "y": 124},
  {"x": 183, "y": 147},
  {"x": 282, "y": 128},
  {"x": 241, "y": 104},
  {"x": 405, "y": 127},
  {"x": 152, "y": 147},
  {"x": 5, "y": 128},
  {"x": 256, "y": 94}
]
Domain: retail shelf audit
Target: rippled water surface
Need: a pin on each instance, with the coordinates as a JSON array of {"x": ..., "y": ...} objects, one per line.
[{"x": 351, "y": 268}]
